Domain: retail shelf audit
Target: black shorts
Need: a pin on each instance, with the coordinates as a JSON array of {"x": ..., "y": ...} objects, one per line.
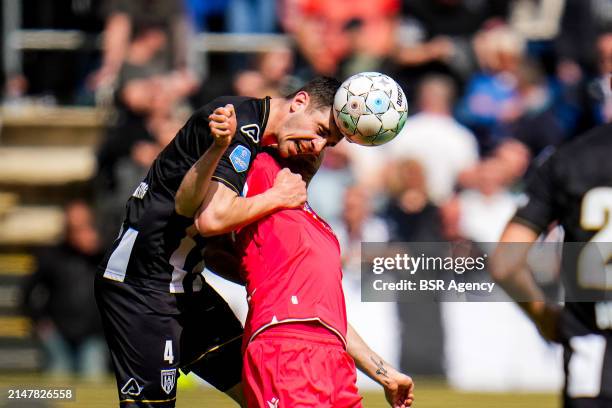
[
  {"x": 151, "y": 334},
  {"x": 587, "y": 402}
]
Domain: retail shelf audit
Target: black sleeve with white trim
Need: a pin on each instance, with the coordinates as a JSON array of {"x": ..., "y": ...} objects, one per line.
[{"x": 236, "y": 161}]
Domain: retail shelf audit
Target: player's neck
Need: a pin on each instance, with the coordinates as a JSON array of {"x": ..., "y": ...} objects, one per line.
[{"x": 279, "y": 107}]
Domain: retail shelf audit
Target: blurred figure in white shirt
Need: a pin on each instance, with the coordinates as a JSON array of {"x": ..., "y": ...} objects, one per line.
[{"x": 444, "y": 147}]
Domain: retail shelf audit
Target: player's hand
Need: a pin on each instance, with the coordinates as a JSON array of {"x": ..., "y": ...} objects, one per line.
[
  {"x": 399, "y": 390},
  {"x": 289, "y": 189},
  {"x": 223, "y": 125}
]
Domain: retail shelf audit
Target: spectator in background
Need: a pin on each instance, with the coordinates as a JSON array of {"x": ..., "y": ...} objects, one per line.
[
  {"x": 434, "y": 138},
  {"x": 326, "y": 192},
  {"x": 582, "y": 21},
  {"x": 599, "y": 94},
  {"x": 271, "y": 76},
  {"x": 410, "y": 214},
  {"x": 56, "y": 76},
  {"x": 146, "y": 121},
  {"x": 143, "y": 31},
  {"x": 359, "y": 224},
  {"x": 411, "y": 217},
  {"x": 491, "y": 93},
  {"x": 59, "y": 299},
  {"x": 486, "y": 203},
  {"x": 435, "y": 36},
  {"x": 533, "y": 121},
  {"x": 330, "y": 33}
]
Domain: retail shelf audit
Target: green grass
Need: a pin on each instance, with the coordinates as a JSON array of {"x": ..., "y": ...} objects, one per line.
[{"x": 428, "y": 393}]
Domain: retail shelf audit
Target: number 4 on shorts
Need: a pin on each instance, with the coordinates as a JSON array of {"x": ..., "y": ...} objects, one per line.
[{"x": 168, "y": 354}]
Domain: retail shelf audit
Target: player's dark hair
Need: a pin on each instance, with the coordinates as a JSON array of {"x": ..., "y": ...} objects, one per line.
[{"x": 321, "y": 91}]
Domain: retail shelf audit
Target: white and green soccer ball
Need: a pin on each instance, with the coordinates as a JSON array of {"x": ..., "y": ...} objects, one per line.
[{"x": 370, "y": 108}]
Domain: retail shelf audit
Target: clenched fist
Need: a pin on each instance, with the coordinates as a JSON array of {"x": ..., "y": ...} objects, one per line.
[
  {"x": 223, "y": 124},
  {"x": 399, "y": 390},
  {"x": 290, "y": 189}
]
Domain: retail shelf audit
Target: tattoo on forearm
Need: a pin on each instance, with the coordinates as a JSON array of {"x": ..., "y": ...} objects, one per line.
[{"x": 380, "y": 368}]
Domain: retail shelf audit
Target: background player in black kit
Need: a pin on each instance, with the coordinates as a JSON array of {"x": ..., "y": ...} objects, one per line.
[
  {"x": 573, "y": 188},
  {"x": 158, "y": 312}
]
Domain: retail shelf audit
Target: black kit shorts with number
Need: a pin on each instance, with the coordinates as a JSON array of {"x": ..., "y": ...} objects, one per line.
[{"x": 152, "y": 334}]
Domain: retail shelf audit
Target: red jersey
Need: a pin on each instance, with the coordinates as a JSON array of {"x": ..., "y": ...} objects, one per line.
[{"x": 291, "y": 263}]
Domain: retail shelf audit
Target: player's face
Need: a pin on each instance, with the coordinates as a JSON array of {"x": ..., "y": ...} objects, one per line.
[{"x": 306, "y": 131}]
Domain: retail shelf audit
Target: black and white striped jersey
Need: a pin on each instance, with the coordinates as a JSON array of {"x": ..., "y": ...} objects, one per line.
[{"x": 157, "y": 248}]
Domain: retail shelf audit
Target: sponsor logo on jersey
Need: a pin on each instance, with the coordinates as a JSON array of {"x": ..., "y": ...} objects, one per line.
[
  {"x": 251, "y": 131},
  {"x": 132, "y": 388},
  {"x": 273, "y": 403},
  {"x": 141, "y": 190},
  {"x": 168, "y": 379},
  {"x": 240, "y": 158}
]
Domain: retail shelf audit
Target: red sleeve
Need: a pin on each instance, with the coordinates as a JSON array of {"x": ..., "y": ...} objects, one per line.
[{"x": 261, "y": 175}]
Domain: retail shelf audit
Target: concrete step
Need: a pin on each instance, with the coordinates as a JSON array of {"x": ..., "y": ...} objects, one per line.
[
  {"x": 31, "y": 225},
  {"x": 45, "y": 165},
  {"x": 14, "y": 327},
  {"x": 8, "y": 200},
  {"x": 20, "y": 354},
  {"x": 51, "y": 126},
  {"x": 16, "y": 264}
]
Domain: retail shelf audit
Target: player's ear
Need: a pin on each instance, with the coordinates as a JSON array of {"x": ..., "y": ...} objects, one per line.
[{"x": 300, "y": 101}]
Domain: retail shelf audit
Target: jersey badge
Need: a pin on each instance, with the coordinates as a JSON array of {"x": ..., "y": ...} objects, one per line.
[
  {"x": 240, "y": 158},
  {"x": 251, "y": 131},
  {"x": 168, "y": 379}
]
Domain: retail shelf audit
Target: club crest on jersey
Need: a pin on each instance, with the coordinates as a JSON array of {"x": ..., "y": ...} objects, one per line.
[
  {"x": 251, "y": 131},
  {"x": 168, "y": 379},
  {"x": 240, "y": 158},
  {"x": 132, "y": 388}
]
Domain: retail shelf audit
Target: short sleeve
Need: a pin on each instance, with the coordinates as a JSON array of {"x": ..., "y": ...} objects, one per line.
[
  {"x": 539, "y": 209},
  {"x": 234, "y": 165}
]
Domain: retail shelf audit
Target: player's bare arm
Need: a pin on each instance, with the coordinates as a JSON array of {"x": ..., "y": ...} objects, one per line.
[
  {"x": 223, "y": 210},
  {"x": 399, "y": 388},
  {"x": 193, "y": 188},
  {"x": 508, "y": 268}
]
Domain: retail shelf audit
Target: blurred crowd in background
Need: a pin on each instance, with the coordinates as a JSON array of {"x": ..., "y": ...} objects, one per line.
[{"x": 493, "y": 87}]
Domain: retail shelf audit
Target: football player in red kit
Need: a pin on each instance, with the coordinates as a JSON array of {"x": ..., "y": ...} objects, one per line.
[{"x": 297, "y": 343}]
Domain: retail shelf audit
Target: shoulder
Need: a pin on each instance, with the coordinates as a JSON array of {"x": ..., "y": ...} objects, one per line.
[
  {"x": 586, "y": 147},
  {"x": 264, "y": 162},
  {"x": 261, "y": 174}
]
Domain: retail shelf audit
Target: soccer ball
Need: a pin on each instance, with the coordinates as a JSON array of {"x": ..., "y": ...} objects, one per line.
[{"x": 370, "y": 108}]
